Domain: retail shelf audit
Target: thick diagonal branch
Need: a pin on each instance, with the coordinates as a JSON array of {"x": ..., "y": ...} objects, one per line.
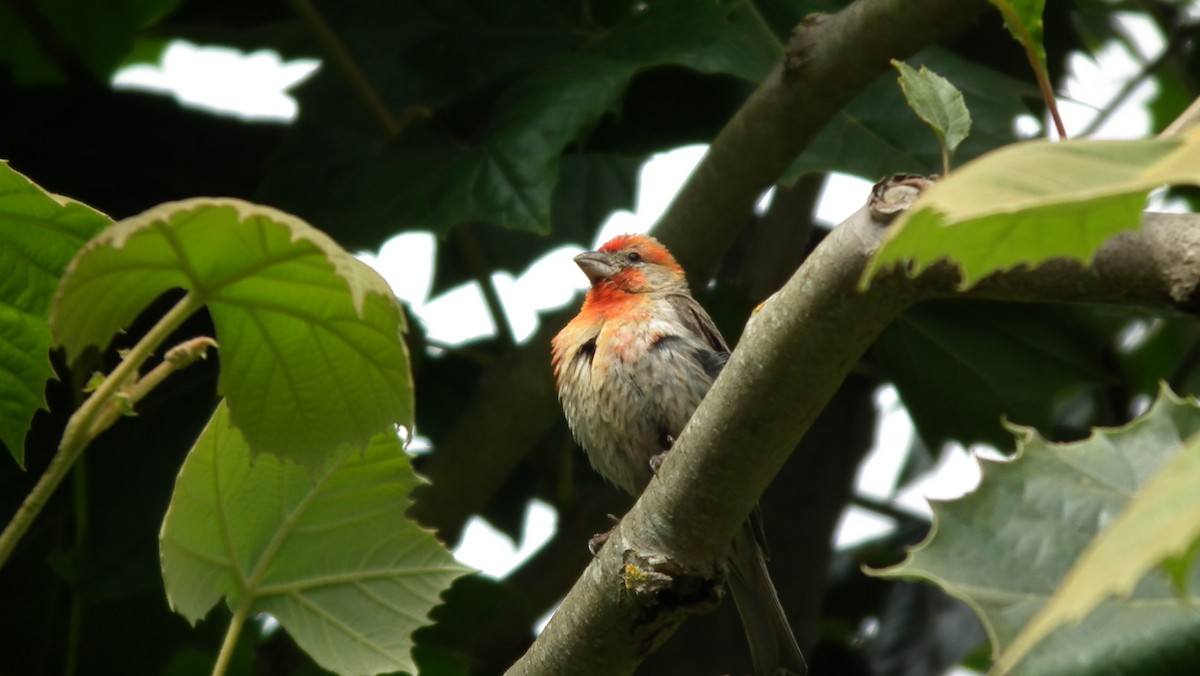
[{"x": 790, "y": 360}]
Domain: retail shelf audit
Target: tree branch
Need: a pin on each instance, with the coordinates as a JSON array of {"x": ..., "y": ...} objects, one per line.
[
  {"x": 678, "y": 533},
  {"x": 829, "y": 59}
]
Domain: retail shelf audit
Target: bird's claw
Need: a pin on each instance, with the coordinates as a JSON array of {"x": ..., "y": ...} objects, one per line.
[
  {"x": 656, "y": 460},
  {"x": 597, "y": 541}
]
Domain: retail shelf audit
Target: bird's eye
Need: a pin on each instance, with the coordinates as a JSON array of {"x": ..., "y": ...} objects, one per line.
[{"x": 634, "y": 257}]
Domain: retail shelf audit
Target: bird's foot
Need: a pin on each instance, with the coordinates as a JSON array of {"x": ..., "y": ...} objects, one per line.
[
  {"x": 597, "y": 541},
  {"x": 656, "y": 460}
]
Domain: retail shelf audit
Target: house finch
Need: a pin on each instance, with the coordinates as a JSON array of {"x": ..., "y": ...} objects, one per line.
[{"x": 631, "y": 368}]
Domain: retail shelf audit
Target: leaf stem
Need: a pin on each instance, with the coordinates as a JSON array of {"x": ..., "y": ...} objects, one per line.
[
  {"x": 1047, "y": 93},
  {"x": 240, "y": 614},
  {"x": 75, "y": 623},
  {"x": 1036, "y": 62},
  {"x": 97, "y": 413}
]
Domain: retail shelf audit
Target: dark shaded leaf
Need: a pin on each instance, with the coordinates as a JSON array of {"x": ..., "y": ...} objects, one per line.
[
  {"x": 482, "y": 142},
  {"x": 869, "y": 139},
  {"x": 962, "y": 366}
]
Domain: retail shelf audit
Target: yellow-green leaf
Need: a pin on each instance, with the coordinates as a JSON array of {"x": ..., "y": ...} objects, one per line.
[
  {"x": 311, "y": 353},
  {"x": 329, "y": 554},
  {"x": 1030, "y": 202}
]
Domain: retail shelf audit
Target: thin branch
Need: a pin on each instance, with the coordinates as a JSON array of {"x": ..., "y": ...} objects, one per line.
[
  {"x": 468, "y": 245},
  {"x": 888, "y": 509},
  {"x": 829, "y": 59},
  {"x": 349, "y": 66},
  {"x": 1148, "y": 69},
  {"x": 179, "y": 357},
  {"x": 53, "y": 46}
]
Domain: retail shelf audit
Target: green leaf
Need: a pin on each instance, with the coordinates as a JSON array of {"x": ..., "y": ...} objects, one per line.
[
  {"x": 1000, "y": 360},
  {"x": 1160, "y": 521},
  {"x": 1008, "y": 548},
  {"x": 39, "y": 233},
  {"x": 1030, "y": 202},
  {"x": 937, "y": 102},
  {"x": 330, "y": 555},
  {"x": 310, "y": 346},
  {"x": 874, "y": 136}
]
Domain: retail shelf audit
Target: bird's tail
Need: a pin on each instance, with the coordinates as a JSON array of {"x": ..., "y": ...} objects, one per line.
[{"x": 773, "y": 648}]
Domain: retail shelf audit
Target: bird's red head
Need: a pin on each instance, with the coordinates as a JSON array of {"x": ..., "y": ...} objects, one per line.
[
  {"x": 631, "y": 264},
  {"x": 650, "y": 249}
]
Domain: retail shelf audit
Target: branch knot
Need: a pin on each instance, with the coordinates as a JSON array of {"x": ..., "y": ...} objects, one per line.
[
  {"x": 799, "y": 48},
  {"x": 659, "y": 584}
]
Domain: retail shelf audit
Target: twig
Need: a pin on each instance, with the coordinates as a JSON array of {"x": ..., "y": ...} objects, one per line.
[
  {"x": 1133, "y": 83},
  {"x": 179, "y": 357},
  {"x": 349, "y": 66},
  {"x": 888, "y": 509},
  {"x": 472, "y": 252},
  {"x": 82, "y": 426}
]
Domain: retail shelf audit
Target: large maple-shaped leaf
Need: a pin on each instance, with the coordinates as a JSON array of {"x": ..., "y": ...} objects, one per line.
[
  {"x": 1062, "y": 528},
  {"x": 329, "y": 554},
  {"x": 482, "y": 143}
]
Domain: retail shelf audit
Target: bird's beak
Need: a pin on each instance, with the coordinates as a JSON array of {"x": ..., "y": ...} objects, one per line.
[{"x": 595, "y": 265}]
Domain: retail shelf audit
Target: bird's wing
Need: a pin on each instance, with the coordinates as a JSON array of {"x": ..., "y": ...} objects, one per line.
[{"x": 694, "y": 317}]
